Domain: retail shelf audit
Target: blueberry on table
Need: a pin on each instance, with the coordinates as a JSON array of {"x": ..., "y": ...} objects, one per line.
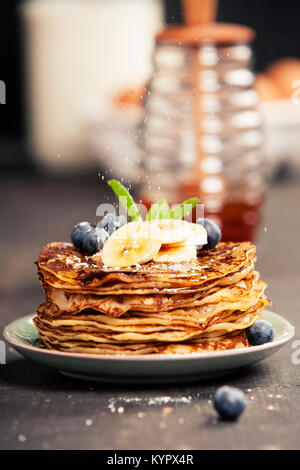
[
  {"x": 94, "y": 241},
  {"x": 260, "y": 332},
  {"x": 229, "y": 402},
  {"x": 79, "y": 232},
  {"x": 111, "y": 222},
  {"x": 214, "y": 233}
]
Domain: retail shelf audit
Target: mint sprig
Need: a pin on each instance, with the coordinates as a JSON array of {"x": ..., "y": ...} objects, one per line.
[
  {"x": 125, "y": 199},
  {"x": 159, "y": 210},
  {"x": 183, "y": 209}
]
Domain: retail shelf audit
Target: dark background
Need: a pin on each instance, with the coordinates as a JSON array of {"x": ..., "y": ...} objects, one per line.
[{"x": 275, "y": 21}]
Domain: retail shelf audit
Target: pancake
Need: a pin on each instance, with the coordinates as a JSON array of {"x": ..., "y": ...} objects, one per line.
[
  {"x": 196, "y": 317},
  {"x": 179, "y": 325},
  {"x": 64, "y": 263},
  {"x": 147, "y": 333},
  {"x": 233, "y": 341},
  {"x": 146, "y": 288},
  {"x": 117, "y": 305},
  {"x": 155, "y": 308}
]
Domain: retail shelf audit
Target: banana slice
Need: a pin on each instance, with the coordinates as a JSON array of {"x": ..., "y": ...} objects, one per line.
[
  {"x": 172, "y": 230},
  {"x": 178, "y": 254},
  {"x": 134, "y": 243},
  {"x": 196, "y": 235},
  {"x": 180, "y": 232}
]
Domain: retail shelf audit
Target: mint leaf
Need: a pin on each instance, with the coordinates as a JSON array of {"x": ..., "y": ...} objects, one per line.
[
  {"x": 125, "y": 199},
  {"x": 183, "y": 209},
  {"x": 159, "y": 210}
]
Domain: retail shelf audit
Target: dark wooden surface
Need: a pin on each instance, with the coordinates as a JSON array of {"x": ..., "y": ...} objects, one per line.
[{"x": 41, "y": 409}]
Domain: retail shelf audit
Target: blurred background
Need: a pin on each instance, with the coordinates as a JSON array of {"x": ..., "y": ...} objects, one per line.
[
  {"x": 93, "y": 92},
  {"x": 70, "y": 66}
]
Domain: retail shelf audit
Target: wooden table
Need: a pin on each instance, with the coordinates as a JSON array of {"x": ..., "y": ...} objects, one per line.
[{"x": 41, "y": 409}]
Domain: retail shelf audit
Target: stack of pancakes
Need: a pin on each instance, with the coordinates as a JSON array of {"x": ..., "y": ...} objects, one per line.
[{"x": 201, "y": 305}]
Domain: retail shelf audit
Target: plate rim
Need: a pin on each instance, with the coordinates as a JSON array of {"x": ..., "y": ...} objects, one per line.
[{"x": 146, "y": 357}]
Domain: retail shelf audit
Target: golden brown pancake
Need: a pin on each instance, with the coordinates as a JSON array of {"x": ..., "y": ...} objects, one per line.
[
  {"x": 117, "y": 305},
  {"x": 155, "y": 308},
  {"x": 137, "y": 329},
  {"x": 234, "y": 341},
  {"x": 62, "y": 261}
]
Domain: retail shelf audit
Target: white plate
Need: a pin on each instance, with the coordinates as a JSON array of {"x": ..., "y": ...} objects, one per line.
[{"x": 22, "y": 335}]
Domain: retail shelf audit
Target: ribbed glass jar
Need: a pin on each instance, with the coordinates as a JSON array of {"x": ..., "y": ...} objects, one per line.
[{"x": 203, "y": 133}]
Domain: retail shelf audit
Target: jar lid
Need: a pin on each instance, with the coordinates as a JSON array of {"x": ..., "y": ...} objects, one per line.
[{"x": 217, "y": 33}]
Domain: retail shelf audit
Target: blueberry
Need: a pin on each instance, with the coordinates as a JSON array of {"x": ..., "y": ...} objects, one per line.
[
  {"x": 260, "y": 332},
  {"x": 94, "y": 241},
  {"x": 111, "y": 222},
  {"x": 214, "y": 233},
  {"x": 79, "y": 232},
  {"x": 229, "y": 402}
]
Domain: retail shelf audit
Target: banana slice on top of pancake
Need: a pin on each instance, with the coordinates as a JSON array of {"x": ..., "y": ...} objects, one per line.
[
  {"x": 165, "y": 240},
  {"x": 134, "y": 243},
  {"x": 175, "y": 254},
  {"x": 181, "y": 232}
]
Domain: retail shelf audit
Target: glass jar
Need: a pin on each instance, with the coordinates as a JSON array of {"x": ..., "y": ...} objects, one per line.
[{"x": 203, "y": 133}]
